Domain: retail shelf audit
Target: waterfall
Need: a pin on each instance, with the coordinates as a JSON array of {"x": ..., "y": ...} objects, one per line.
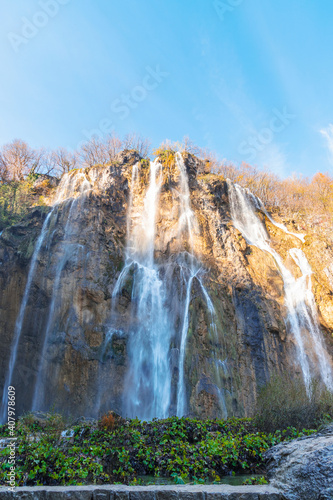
[
  {"x": 186, "y": 226},
  {"x": 148, "y": 381},
  {"x": 309, "y": 315},
  {"x": 302, "y": 316},
  {"x": 187, "y": 221},
  {"x": 164, "y": 284},
  {"x": 260, "y": 206},
  {"x": 21, "y": 315},
  {"x": 65, "y": 190},
  {"x": 147, "y": 392},
  {"x": 181, "y": 395},
  {"x": 80, "y": 181}
]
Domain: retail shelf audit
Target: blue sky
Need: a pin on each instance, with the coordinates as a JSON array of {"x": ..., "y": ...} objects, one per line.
[{"x": 248, "y": 79}]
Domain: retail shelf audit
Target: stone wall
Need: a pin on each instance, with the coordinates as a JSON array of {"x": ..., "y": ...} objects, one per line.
[{"x": 214, "y": 492}]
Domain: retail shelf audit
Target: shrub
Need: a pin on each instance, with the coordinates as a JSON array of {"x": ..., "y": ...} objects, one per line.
[
  {"x": 107, "y": 422},
  {"x": 52, "y": 423},
  {"x": 284, "y": 402}
]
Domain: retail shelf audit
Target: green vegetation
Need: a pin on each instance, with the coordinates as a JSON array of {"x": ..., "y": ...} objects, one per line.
[
  {"x": 14, "y": 202},
  {"x": 16, "y": 197},
  {"x": 115, "y": 450},
  {"x": 283, "y": 402}
]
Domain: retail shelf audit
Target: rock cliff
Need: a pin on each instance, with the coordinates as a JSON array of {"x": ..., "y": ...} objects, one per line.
[{"x": 223, "y": 302}]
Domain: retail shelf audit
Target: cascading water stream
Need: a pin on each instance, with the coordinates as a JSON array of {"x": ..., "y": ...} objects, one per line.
[
  {"x": 182, "y": 349},
  {"x": 21, "y": 315},
  {"x": 309, "y": 316},
  {"x": 65, "y": 189},
  {"x": 298, "y": 297},
  {"x": 75, "y": 204},
  {"x": 147, "y": 392},
  {"x": 147, "y": 386},
  {"x": 260, "y": 206},
  {"x": 187, "y": 222},
  {"x": 188, "y": 226}
]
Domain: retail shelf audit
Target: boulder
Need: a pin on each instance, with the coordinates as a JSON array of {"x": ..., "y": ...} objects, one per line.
[{"x": 303, "y": 468}]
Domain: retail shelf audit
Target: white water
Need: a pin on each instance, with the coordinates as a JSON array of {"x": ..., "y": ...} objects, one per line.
[
  {"x": 181, "y": 394},
  {"x": 148, "y": 384},
  {"x": 309, "y": 316},
  {"x": 260, "y": 205},
  {"x": 187, "y": 223},
  {"x": 79, "y": 182},
  {"x": 65, "y": 190},
  {"x": 21, "y": 315},
  {"x": 153, "y": 329},
  {"x": 299, "y": 300},
  {"x": 188, "y": 226}
]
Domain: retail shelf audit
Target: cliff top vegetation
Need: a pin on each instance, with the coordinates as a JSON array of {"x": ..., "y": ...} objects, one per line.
[{"x": 307, "y": 201}]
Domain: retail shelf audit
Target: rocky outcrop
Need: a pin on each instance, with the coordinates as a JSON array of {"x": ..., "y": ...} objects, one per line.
[
  {"x": 303, "y": 468},
  {"x": 84, "y": 359}
]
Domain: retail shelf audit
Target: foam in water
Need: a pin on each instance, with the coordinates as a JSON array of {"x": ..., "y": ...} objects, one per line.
[{"x": 302, "y": 316}]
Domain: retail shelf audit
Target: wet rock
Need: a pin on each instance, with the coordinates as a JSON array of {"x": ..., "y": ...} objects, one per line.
[{"x": 80, "y": 262}]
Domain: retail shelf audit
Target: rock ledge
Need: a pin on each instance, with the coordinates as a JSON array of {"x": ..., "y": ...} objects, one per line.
[{"x": 119, "y": 492}]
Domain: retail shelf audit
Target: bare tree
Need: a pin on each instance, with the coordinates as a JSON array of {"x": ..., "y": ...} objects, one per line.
[
  {"x": 63, "y": 161},
  {"x": 42, "y": 163},
  {"x": 138, "y": 143},
  {"x": 17, "y": 160},
  {"x": 113, "y": 145},
  {"x": 93, "y": 152},
  {"x": 189, "y": 146},
  {"x": 4, "y": 173}
]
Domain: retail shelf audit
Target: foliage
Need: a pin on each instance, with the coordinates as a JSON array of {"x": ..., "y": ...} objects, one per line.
[
  {"x": 17, "y": 197},
  {"x": 283, "y": 402},
  {"x": 309, "y": 201},
  {"x": 107, "y": 422},
  {"x": 180, "y": 448},
  {"x": 256, "y": 480}
]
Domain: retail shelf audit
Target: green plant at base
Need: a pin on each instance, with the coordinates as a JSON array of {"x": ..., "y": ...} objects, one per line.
[{"x": 183, "y": 449}]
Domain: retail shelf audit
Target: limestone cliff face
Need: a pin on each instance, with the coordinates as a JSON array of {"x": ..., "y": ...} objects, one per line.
[{"x": 66, "y": 356}]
